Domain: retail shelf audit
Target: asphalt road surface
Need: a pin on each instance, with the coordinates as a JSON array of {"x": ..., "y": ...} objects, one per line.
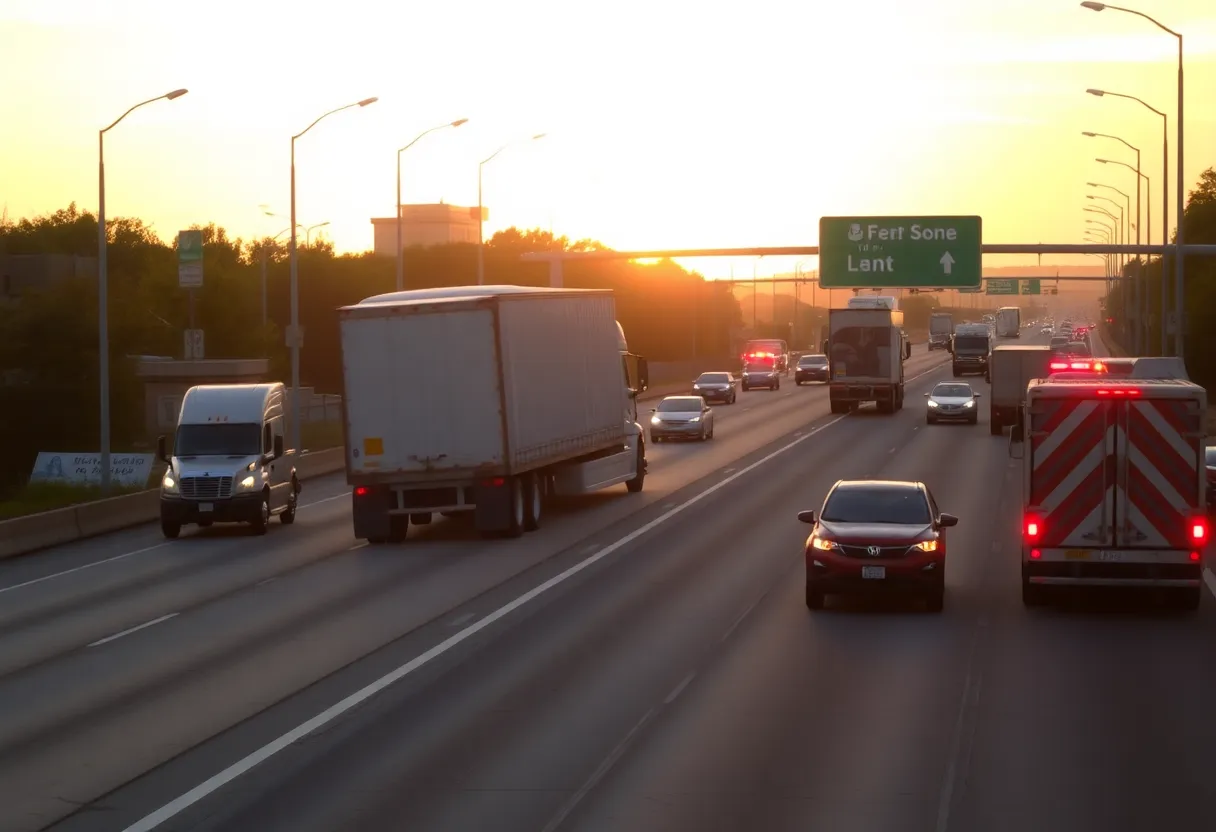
[{"x": 642, "y": 662}]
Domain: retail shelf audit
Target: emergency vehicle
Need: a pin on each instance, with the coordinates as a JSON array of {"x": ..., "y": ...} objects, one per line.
[{"x": 1113, "y": 483}]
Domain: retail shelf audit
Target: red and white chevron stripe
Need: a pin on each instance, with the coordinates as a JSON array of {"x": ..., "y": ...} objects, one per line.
[
  {"x": 1162, "y": 487},
  {"x": 1073, "y": 443}
]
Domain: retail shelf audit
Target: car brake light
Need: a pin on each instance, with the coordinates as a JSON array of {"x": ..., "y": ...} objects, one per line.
[
  {"x": 1032, "y": 527},
  {"x": 1199, "y": 530}
]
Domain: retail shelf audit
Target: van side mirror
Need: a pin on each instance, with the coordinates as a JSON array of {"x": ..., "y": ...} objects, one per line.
[
  {"x": 162, "y": 449},
  {"x": 806, "y": 517},
  {"x": 278, "y": 446},
  {"x": 947, "y": 520}
]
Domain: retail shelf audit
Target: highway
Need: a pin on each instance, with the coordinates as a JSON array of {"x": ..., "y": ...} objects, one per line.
[{"x": 642, "y": 662}]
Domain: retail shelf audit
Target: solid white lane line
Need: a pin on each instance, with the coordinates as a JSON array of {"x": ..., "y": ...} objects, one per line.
[
  {"x": 134, "y": 629},
  {"x": 75, "y": 569},
  {"x": 678, "y": 689},
  {"x": 124, "y": 555},
  {"x": 260, "y": 755}
]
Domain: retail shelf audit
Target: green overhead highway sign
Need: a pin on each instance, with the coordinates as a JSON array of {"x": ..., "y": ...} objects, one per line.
[
  {"x": 899, "y": 252},
  {"x": 1002, "y": 286},
  {"x": 1032, "y": 286}
]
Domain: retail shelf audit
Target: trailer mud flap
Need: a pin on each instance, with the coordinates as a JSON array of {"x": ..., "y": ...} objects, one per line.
[
  {"x": 370, "y": 507},
  {"x": 494, "y": 505}
]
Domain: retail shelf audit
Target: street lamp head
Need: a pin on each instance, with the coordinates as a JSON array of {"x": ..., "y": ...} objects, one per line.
[
  {"x": 1090, "y": 196},
  {"x": 321, "y": 224},
  {"x": 1098, "y": 93},
  {"x": 539, "y": 136},
  {"x": 367, "y": 101},
  {"x": 1096, "y": 7},
  {"x": 176, "y": 94},
  {"x": 1087, "y": 133},
  {"x": 459, "y": 122},
  {"x": 1093, "y": 184},
  {"x": 1103, "y": 161}
]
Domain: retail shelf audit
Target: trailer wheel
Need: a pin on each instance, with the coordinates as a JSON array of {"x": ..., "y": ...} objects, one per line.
[
  {"x": 518, "y": 510},
  {"x": 533, "y": 502}
]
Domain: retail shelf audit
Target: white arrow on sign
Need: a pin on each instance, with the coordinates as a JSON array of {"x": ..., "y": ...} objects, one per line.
[{"x": 947, "y": 261}]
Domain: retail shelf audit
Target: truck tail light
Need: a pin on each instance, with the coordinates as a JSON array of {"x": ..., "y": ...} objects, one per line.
[
  {"x": 1199, "y": 531},
  {"x": 361, "y": 491},
  {"x": 1032, "y": 528}
]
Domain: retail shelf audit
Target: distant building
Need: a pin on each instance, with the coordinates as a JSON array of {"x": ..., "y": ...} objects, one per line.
[{"x": 425, "y": 225}]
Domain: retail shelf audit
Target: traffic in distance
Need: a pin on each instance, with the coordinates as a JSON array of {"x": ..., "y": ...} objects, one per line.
[{"x": 426, "y": 651}]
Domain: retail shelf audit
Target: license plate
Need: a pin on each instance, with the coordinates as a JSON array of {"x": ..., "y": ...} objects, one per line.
[
  {"x": 1076, "y": 554},
  {"x": 1110, "y": 557},
  {"x": 874, "y": 573},
  {"x": 206, "y": 507}
]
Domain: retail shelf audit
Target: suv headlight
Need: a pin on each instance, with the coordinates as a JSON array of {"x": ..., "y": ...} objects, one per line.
[
  {"x": 932, "y": 403},
  {"x": 169, "y": 483},
  {"x": 970, "y": 403},
  {"x": 927, "y": 545},
  {"x": 248, "y": 482},
  {"x": 823, "y": 544}
]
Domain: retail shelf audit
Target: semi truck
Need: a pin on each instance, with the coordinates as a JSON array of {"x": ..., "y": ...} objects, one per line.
[
  {"x": 970, "y": 348},
  {"x": 941, "y": 326},
  {"x": 1113, "y": 485},
  {"x": 866, "y": 352},
  {"x": 1013, "y": 368},
  {"x": 1008, "y": 322},
  {"x": 488, "y": 400}
]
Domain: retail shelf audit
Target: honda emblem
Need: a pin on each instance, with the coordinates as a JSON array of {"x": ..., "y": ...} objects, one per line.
[{"x": 873, "y": 551}]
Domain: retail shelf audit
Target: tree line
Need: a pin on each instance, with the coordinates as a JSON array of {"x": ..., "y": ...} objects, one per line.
[{"x": 48, "y": 355}]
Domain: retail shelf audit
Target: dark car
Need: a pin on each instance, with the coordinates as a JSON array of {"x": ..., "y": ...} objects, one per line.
[
  {"x": 875, "y": 536},
  {"x": 761, "y": 372},
  {"x": 811, "y": 368},
  {"x": 715, "y": 387}
]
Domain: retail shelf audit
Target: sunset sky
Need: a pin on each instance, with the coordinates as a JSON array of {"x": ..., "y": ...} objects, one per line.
[{"x": 671, "y": 124}]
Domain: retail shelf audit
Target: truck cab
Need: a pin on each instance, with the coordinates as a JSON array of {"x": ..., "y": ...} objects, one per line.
[
  {"x": 228, "y": 463},
  {"x": 971, "y": 347}
]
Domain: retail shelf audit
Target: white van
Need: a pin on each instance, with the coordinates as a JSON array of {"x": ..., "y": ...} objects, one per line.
[{"x": 228, "y": 463}]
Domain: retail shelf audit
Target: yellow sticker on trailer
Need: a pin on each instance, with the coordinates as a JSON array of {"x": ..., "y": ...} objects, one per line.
[
  {"x": 1076, "y": 554},
  {"x": 373, "y": 446}
]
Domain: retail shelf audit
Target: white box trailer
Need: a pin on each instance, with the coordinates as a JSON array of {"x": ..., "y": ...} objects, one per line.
[
  {"x": 1011, "y": 369},
  {"x": 1009, "y": 322},
  {"x": 866, "y": 352},
  {"x": 484, "y": 399},
  {"x": 1113, "y": 488}
]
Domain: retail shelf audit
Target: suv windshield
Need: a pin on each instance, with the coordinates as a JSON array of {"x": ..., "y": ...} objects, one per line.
[
  {"x": 970, "y": 342},
  {"x": 681, "y": 404},
  {"x": 952, "y": 390},
  {"x": 714, "y": 378},
  {"x": 877, "y": 504},
  {"x": 812, "y": 361},
  {"x": 227, "y": 439}
]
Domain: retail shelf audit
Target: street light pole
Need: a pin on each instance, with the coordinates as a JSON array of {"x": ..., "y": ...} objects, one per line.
[
  {"x": 1148, "y": 237},
  {"x": 103, "y": 290},
  {"x": 1179, "y": 187},
  {"x": 481, "y": 213},
  {"x": 308, "y": 233},
  {"x": 1135, "y": 300},
  {"x": 1165, "y": 203},
  {"x": 400, "y": 244},
  {"x": 294, "y": 336}
]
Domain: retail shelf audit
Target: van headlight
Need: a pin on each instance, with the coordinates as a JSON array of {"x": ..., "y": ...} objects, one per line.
[
  {"x": 248, "y": 482},
  {"x": 970, "y": 403},
  {"x": 169, "y": 483}
]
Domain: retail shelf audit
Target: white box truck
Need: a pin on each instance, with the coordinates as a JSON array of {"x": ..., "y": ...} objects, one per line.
[
  {"x": 1012, "y": 367},
  {"x": 485, "y": 399},
  {"x": 941, "y": 327},
  {"x": 1008, "y": 322},
  {"x": 866, "y": 352}
]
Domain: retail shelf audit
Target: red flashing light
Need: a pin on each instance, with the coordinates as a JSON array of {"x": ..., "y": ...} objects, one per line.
[
  {"x": 495, "y": 482},
  {"x": 1032, "y": 527},
  {"x": 1059, "y": 365},
  {"x": 1035, "y": 554},
  {"x": 1194, "y": 557},
  {"x": 1131, "y": 392},
  {"x": 361, "y": 491},
  {"x": 1199, "y": 530}
]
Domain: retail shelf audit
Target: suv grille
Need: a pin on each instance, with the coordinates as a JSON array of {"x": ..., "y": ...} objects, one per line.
[
  {"x": 862, "y": 552},
  {"x": 206, "y": 488}
]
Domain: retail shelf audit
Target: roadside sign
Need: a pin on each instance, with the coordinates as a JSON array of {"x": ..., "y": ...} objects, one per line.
[
  {"x": 1032, "y": 286},
  {"x": 1002, "y": 286},
  {"x": 899, "y": 252},
  {"x": 190, "y": 259},
  {"x": 194, "y": 345}
]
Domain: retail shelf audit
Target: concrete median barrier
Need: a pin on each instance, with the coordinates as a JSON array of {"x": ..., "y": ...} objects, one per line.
[{"x": 33, "y": 532}]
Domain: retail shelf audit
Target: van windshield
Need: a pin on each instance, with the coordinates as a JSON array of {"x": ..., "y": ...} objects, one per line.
[{"x": 227, "y": 439}]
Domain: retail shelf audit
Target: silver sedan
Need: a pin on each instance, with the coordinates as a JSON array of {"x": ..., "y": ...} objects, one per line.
[
  {"x": 952, "y": 401},
  {"x": 681, "y": 417}
]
